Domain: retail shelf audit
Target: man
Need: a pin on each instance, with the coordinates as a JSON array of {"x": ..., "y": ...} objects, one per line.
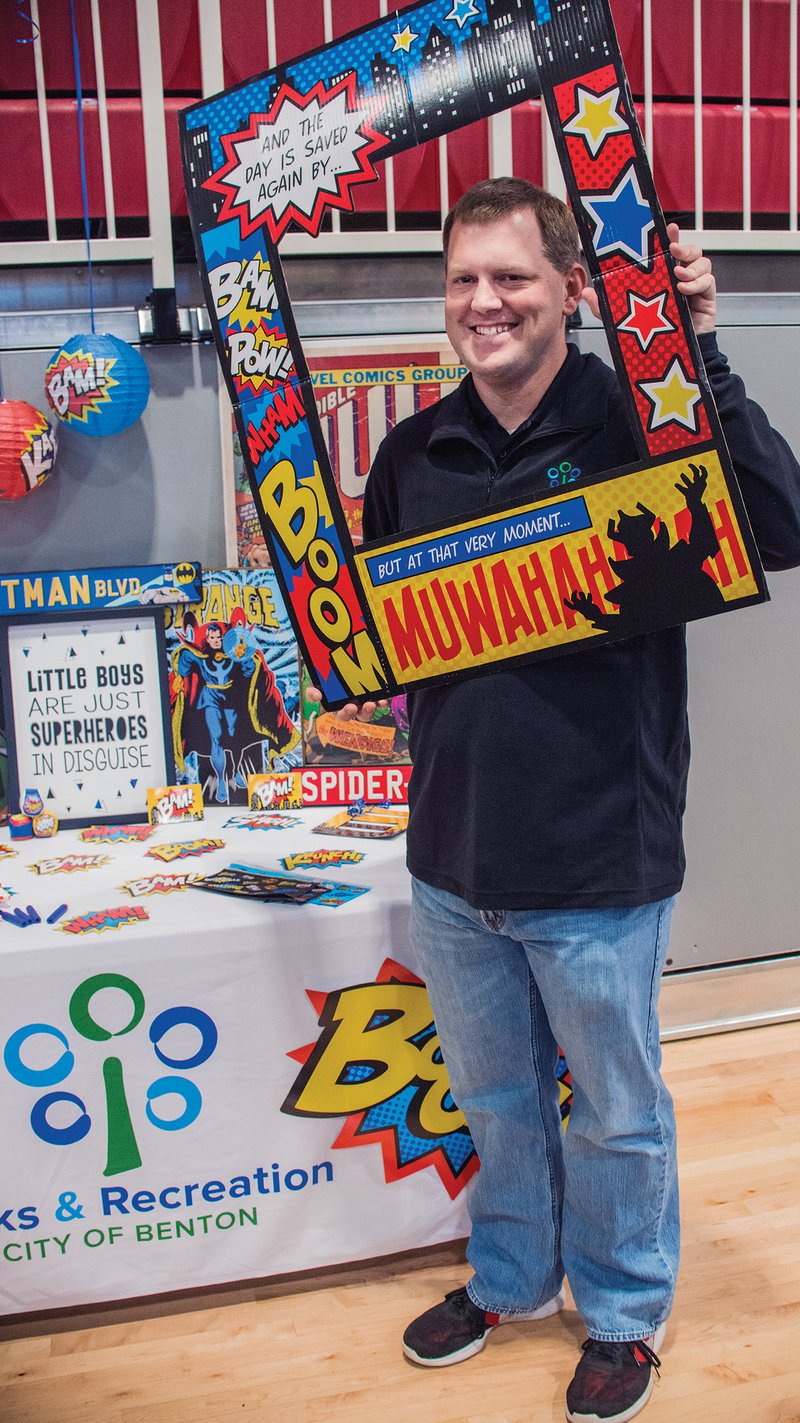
[{"x": 545, "y": 833}]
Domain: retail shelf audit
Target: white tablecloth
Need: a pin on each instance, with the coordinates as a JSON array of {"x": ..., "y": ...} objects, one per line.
[{"x": 210, "y": 1015}]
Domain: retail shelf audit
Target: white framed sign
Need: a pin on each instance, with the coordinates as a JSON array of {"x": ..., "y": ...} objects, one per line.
[{"x": 87, "y": 713}]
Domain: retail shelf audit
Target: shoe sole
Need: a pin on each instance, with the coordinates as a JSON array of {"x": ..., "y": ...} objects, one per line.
[
  {"x": 657, "y": 1340},
  {"x": 474, "y": 1347}
]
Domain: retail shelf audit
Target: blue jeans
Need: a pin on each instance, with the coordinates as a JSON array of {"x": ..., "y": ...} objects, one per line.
[{"x": 601, "y": 1200}]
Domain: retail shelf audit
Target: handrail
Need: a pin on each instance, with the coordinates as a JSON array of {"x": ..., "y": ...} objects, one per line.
[{"x": 395, "y": 235}]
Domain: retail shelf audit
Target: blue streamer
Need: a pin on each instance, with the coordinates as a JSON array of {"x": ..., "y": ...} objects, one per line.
[
  {"x": 84, "y": 188},
  {"x": 22, "y": 15}
]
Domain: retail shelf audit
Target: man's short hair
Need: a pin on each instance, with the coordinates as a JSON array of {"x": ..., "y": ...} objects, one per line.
[{"x": 496, "y": 198}]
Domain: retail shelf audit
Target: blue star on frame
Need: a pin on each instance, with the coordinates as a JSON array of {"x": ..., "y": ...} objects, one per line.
[
  {"x": 622, "y": 219},
  {"x": 462, "y": 11}
]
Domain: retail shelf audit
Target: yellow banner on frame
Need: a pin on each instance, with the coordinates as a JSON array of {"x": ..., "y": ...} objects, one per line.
[{"x": 663, "y": 540}]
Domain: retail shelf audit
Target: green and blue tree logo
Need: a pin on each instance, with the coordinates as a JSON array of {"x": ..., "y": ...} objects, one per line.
[{"x": 122, "y": 1147}]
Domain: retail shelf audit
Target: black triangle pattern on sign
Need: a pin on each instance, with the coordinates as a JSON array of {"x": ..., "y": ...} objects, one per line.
[{"x": 120, "y": 641}]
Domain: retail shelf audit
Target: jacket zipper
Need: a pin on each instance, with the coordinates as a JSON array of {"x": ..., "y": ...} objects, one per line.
[{"x": 542, "y": 435}]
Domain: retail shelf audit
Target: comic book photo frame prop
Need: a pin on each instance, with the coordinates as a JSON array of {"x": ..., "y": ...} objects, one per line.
[
  {"x": 294, "y": 144},
  {"x": 87, "y": 712}
]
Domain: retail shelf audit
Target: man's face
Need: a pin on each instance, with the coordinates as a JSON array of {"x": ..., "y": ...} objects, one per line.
[
  {"x": 214, "y": 639},
  {"x": 505, "y": 302}
]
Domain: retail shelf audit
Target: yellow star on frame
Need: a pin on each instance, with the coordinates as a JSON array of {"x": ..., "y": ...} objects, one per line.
[
  {"x": 404, "y": 39},
  {"x": 673, "y": 397},
  {"x": 598, "y": 117}
]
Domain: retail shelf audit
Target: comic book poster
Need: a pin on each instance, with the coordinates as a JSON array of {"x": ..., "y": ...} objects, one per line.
[
  {"x": 251, "y": 548},
  {"x": 362, "y": 393},
  {"x": 362, "y": 389},
  {"x": 330, "y": 742},
  {"x": 233, "y": 684}
]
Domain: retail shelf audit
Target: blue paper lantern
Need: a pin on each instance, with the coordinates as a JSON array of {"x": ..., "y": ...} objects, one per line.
[{"x": 98, "y": 385}]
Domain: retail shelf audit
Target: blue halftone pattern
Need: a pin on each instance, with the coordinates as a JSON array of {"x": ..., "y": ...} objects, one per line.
[
  {"x": 230, "y": 111},
  {"x": 457, "y": 1146},
  {"x": 377, "y": 1021},
  {"x": 423, "y": 1035},
  {"x": 358, "y": 51},
  {"x": 357, "y": 1072}
]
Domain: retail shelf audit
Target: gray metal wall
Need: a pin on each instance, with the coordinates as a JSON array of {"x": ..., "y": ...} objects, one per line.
[
  {"x": 150, "y": 495},
  {"x": 742, "y": 893}
]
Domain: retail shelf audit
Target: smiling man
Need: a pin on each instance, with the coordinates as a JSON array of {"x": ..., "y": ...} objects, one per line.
[
  {"x": 545, "y": 832},
  {"x": 508, "y": 290}
]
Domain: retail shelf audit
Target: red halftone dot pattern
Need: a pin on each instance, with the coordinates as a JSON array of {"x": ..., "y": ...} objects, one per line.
[
  {"x": 598, "y": 175},
  {"x": 594, "y": 175},
  {"x": 598, "y": 80},
  {"x": 618, "y": 262},
  {"x": 619, "y": 282},
  {"x": 655, "y": 361},
  {"x": 672, "y": 435}
]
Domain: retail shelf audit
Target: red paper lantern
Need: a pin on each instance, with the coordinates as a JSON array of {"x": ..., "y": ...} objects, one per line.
[{"x": 27, "y": 448}]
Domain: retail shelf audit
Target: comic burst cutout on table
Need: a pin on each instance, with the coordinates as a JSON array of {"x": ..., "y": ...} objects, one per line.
[
  {"x": 97, "y": 384},
  {"x": 97, "y": 921},
  {"x": 249, "y": 158}
]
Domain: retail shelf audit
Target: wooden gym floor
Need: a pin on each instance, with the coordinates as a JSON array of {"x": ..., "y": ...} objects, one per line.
[{"x": 328, "y": 1349}]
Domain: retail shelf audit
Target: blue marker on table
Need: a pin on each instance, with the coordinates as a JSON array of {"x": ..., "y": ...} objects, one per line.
[
  {"x": 57, "y": 913},
  {"x": 12, "y": 919},
  {"x": 34, "y": 917}
]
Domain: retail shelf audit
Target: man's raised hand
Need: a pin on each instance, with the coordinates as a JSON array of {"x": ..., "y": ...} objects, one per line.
[{"x": 695, "y": 279}]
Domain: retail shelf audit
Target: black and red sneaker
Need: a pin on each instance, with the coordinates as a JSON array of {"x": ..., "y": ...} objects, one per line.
[
  {"x": 456, "y": 1329},
  {"x": 613, "y": 1381}
]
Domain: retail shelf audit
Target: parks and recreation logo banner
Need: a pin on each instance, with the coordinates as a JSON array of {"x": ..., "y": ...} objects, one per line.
[
  {"x": 291, "y": 146},
  {"x": 166, "y": 1132}
]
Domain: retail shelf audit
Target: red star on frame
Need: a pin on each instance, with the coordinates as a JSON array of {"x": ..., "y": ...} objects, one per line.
[{"x": 646, "y": 318}]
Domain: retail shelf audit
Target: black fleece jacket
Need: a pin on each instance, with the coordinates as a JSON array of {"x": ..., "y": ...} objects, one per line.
[{"x": 563, "y": 783}]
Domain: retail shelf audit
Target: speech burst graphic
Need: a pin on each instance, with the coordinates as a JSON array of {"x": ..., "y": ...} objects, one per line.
[
  {"x": 292, "y": 145},
  {"x": 77, "y": 384},
  {"x": 298, "y": 160},
  {"x": 97, "y": 384}
]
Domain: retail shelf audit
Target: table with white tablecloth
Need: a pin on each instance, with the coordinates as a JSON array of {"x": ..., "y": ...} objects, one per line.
[{"x": 198, "y": 1089}]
